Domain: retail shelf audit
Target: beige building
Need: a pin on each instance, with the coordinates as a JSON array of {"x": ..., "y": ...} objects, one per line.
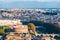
[
  {"x": 47, "y": 37},
  {"x": 21, "y": 31},
  {"x": 9, "y": 22}
]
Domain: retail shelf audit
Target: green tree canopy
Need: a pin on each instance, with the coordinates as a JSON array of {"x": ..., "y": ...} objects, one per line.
[{"x": 2, "y": 29}]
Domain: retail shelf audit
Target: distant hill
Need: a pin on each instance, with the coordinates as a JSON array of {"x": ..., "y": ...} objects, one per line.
[{"x": 27, "y": 4}]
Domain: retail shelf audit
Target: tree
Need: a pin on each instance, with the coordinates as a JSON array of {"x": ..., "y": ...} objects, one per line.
[
  {"x": 32, "y": 34},
  {"x": 9, "y": 38},
  {"x": 2, "y": 29},
  {"x": 2, "y": 32},
  {"x": 32, "y": 26}
]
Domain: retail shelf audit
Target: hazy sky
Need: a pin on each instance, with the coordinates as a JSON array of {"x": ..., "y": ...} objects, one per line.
[
  {"x": 29, "y": 3},
  {"x": 31, "y": 0}
]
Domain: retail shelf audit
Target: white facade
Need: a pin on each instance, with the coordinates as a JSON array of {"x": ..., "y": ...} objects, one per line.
[{"x": 9, "y": 22}]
